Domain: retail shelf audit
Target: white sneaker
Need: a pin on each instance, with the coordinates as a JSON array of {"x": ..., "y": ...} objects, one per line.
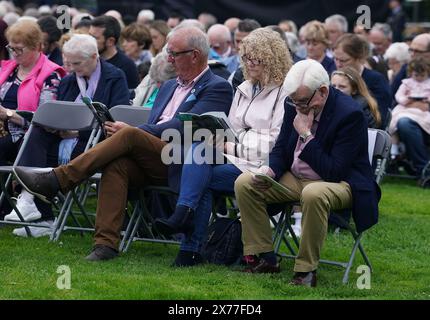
[
  {"x": 27, "y": 208},
  {"x": 36, "y": 232}
]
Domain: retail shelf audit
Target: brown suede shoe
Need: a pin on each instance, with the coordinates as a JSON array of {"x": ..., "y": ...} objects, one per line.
[
  {"x": 263, "y": 267},
  {"x": 309, "y": 280}
]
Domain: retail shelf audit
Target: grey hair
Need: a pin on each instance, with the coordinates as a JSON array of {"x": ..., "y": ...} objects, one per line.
[
  {"x": 196, "y": 38},
  {"x": 308, "y": 73},
  {"x": 384, "y": 28},
  {"x": 293, "y": 42},
  {"x": 398, "y": 51},
  {"x": 187, "y": 23},
  {"x": 161, "y": 70},
  {"x": 82, "y": 44},
  {"x": 220, "y": 30},
  {"x": 340, "y": 20},
  {"x": 148, "y": 14}
]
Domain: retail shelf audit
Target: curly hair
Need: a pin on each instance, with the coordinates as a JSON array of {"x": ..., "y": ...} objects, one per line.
[{"x": 266, "y": 46}]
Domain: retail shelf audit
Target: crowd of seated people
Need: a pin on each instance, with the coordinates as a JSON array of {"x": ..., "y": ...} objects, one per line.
[{"x": 238, "y": 67}]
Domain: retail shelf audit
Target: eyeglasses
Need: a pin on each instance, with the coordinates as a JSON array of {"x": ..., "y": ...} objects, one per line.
[
  {"x": 254, "y": 62},
  {"x": 294, "y": 104},
  {"x": 343, "y": 61},
  {"x": 15, "y": 50},
  {"x": 411, "y": 50},
  {"x": 174, "y": 54}
]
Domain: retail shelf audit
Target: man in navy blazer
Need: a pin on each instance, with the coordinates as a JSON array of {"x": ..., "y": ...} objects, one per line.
[
  {"x": 132, "y": 156},
  {"x": 321, "y": 157}
]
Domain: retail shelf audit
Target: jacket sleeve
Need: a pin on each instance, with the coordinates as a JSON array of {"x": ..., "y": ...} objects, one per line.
[
  {"x": 216, "y": 97},
  {"x": 119, "y": 92},
  {"x": 256, "y": 144},
  {"x": 334, "y": 167},
  {"x": 401, "y": 95}
]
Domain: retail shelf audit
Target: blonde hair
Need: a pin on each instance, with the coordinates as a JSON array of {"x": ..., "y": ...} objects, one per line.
[
  {"x": 359, "y": 87},
  {"x": 315, "y": 30},
  {"x": 268, "y": 47},
  {"x": 26, "y": 32}
]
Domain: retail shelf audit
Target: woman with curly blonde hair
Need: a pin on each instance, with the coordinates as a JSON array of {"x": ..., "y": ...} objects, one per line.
[{"x": 256, "y": 116}]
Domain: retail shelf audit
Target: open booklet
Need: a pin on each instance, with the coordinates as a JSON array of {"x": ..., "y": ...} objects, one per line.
[
  {"x": 253, "y": 168},
  {"x": 212, "y": 121},
  {"x": 100, "y": 111}
]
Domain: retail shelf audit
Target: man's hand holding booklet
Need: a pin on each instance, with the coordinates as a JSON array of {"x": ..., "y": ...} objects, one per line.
[{"x": 262, "y": 179}]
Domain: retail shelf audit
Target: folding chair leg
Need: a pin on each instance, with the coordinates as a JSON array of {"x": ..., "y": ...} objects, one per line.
[
  {"x": 129, "y": 228},
  {"x": 351, "y": 260},
  {"x": 363, "y": 254}
]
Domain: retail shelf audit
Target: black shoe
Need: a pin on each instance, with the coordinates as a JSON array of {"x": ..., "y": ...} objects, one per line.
[
  {"x": 187, "y": 259},
  {"x": 101, "y": 252},
  {"x": 307, "y": 279},
  {"x": 263, "y": 267},
  {"x": 41, "y": 183},
  {"x": 181, "y": 221}
]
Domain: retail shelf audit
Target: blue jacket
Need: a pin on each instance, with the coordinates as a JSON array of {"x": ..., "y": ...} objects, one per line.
[
  {"x": 210, "y": 93},
  {"x": 380, "y": 90},
  {"x": 111, "y": 90},
  {"x": 339, "y": 152}
]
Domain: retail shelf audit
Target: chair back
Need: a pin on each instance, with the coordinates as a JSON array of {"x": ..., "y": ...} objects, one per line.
[
  {"x": 380, "y": 154},
  {"x": 132, "y": 115},
  {"x": 64, "y": 115}
]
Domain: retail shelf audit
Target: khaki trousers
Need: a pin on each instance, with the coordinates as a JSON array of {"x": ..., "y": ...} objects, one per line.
[
  {"x": 131, "y": 157},
  {"x": 317, "y": 198}
]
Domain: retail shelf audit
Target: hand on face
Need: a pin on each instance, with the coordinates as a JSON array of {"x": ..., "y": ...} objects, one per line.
[{"x": 303, "y": 122}]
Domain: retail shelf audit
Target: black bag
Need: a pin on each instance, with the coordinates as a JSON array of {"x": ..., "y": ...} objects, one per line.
[{"x": 224, "y": 242}]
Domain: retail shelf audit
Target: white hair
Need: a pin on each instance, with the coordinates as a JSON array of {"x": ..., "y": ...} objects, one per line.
[
  {"x": 45, "y": 9},
  {"x": 146, "y": 15},
  {"x": 340, "y": 20},
  {"x": 161, "y": 70},
  {"x": 398, "y": 51},
  {"x": 220, "y": 31},
  {"x": 384, "y": 28},
  {"x": 82, "y": 44},
  {"x": 11, "y": 18},
  {"x": 195, "y": 37},
  {"x": 308, "y": 73}
]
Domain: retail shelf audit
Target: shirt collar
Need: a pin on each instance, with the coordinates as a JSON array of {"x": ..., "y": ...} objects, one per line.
[{"x": 191, "y": 83}]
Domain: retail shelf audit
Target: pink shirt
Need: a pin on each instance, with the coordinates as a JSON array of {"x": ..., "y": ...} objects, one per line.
[
  {"x": 299, "y": 168},
  {"x": 178, "y": 97}
]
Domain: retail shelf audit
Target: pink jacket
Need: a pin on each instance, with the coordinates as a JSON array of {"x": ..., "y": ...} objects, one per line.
[{"x": 30, "y": 88}]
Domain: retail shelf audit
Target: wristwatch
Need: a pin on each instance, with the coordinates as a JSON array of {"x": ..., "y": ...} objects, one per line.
[
  {"x": 9, "y": 114},
  {"x": 304, "y": 136}
]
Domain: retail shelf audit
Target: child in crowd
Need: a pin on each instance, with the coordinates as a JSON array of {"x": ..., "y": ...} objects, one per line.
[{"x": 413, "y": 99}]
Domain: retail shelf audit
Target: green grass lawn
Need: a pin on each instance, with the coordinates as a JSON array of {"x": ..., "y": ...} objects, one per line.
[{"x": 398, "y": 246}]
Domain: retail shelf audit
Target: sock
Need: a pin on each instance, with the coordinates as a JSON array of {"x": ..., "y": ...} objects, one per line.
[{"x": 269, "y": 257}]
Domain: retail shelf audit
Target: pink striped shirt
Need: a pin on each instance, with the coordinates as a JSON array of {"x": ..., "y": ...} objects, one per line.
[
  {"x": 178, "y": 97},
  {"x": 299, "y": 168}
]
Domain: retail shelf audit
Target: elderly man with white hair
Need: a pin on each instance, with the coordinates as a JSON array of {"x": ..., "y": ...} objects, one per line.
[
  {"x": 321, "y": 157},
  {"x": 145, "y": 16}
]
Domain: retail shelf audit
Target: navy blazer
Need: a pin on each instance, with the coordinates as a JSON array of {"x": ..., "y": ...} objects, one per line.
[
  {"x": 111, "y": 90},
  {"x": 210, "y": 93},
  {"x": 339, "y": 152},
  {"x": 380, "y": 90}
]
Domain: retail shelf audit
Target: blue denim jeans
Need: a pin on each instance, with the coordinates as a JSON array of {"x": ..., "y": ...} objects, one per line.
[
  {"x": 198, "y": 182},
  {"x": 411, "y": 134}
]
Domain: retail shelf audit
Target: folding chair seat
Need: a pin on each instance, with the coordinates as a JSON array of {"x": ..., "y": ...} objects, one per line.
[
  {"x": 379, "y": 157},
  {"x": 57, "y": 115}
]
